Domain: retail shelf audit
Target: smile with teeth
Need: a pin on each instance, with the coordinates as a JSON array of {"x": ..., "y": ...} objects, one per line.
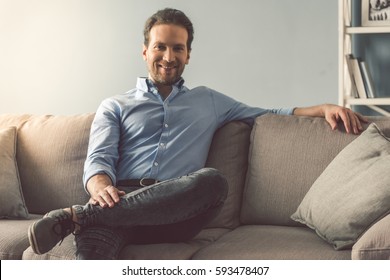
[{"x": 167, "y": 67}]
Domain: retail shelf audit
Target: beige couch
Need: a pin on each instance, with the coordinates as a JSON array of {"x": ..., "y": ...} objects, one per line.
[{"x": 286, "y": 156}]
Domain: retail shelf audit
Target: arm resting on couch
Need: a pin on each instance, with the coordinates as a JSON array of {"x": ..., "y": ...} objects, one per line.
[{"x": 333, "y": 114}]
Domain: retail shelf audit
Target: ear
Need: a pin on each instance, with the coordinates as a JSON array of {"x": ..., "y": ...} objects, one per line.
[
  {"x": 144, "y": 50},
  {"x": 188, "y": 57}
]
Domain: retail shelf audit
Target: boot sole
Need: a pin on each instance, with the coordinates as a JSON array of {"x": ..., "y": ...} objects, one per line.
[{"x": 32, "y": 239}]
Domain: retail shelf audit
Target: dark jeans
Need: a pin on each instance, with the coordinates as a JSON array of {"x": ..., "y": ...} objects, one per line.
[{"x": 170, "y": 211}]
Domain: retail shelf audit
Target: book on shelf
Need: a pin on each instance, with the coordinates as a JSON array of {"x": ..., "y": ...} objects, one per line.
[
  {"x": 356, "y": 76},
  {"x": 354, "y": 92},
  {"x": 367, "y": 79}
]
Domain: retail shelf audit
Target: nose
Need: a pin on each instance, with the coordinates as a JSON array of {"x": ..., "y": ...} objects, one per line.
[{"x": 169, "y": 55}]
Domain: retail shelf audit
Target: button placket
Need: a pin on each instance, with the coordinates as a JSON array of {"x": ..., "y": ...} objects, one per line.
[{"x": 162, "y": 142}]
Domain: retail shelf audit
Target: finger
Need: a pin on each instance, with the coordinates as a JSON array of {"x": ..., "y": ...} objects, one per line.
[
  {"x": 332, "y": 120},
  {"x": 103, "y": 198},
  {"x": 92, "y": 201},
  {"x": 359, "y": 122},
  {"x": 346, "y": 120},
  {"x": 354, "y": 122},
  {"x": 98, "y": 200},
  {"x": 114, "y": 194},
  {"x": 106, "y": 199},
  {"x": 102, "y": 202}
]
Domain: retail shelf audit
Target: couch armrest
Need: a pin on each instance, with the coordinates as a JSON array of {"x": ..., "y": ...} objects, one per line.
[{"x": 374, "y": 244}]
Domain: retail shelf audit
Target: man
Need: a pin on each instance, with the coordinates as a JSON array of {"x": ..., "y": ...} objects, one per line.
[{"x": 144, "y": 169}]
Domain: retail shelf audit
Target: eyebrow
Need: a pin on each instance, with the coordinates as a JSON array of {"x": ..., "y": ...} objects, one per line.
[{"x": 175, "y": 45}]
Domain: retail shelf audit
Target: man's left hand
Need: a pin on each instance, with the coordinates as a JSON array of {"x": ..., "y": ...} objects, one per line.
[{"x": 334, "y": 114}]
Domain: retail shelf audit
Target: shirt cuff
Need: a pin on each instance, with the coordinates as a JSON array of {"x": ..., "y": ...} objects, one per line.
[{"x": 89, "y": 174}]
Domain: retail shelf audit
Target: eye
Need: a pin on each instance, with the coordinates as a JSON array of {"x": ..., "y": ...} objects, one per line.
[
  {"x": 178, "y": 48},
  {"x": 160, "y": 47}
]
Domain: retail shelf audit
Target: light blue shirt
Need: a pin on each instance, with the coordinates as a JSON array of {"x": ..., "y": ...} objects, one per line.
[{"x": 139, "y": 135}]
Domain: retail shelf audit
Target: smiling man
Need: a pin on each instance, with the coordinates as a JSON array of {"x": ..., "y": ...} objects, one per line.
[
  {"x": 144, "y": 170},
  {"x": 166, "y": 53}
]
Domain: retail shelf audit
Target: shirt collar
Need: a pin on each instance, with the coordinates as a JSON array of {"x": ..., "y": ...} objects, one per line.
[{"x": 147, "y": 85}]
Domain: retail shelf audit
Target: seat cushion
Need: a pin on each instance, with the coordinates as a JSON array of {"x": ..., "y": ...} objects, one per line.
[
  {"x": 270, "y": 243},
  {"x": 172, "y": 251},
  {"x": 167, "y": 251},
  {"x": 65, "y": 251},
  {"x": 13, "y": 237}
]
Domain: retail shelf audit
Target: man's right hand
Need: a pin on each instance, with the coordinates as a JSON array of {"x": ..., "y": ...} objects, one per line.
[{"x": 102, "y": 191}]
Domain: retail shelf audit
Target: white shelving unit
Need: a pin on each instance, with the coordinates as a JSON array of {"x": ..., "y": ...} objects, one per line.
[{"x": 345, "y": 42}]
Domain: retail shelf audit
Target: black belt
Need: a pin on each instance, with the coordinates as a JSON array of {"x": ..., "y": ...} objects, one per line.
[{"x": 144, "y": 182}]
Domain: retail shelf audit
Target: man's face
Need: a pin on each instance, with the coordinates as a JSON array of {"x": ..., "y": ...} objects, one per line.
[{"x": 167, "y": 53}]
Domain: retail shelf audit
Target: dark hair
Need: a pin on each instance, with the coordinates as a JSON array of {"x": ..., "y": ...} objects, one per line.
[{"x": 169, "y": 16}]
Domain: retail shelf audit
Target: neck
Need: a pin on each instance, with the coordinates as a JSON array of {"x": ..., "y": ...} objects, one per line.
[{"x": 164, "y": 90}]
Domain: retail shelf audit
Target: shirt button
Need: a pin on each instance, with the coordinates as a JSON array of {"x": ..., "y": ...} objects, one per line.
[
  {"x": 156, "y": 164},
  {"x": 162, "y": 144},
  {"x": 166, "y": 125}
]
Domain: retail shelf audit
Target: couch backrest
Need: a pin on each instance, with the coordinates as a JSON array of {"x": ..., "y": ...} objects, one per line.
[
  {"x": 229, "y": 154},
  {"x": 286, "y": 156},
  {"x": 7, "y": 120},
  {"x": 51, "y": 151}
]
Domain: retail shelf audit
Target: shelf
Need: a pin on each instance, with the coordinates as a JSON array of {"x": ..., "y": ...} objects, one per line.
[
  {"x": 368, "y": 101},
  {"x": 371, "y": 103},
  {"x": 346, "y": 38},
  {"x": 367, "y": 30}
]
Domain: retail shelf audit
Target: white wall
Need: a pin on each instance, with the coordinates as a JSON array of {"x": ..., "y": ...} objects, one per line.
[{"x": 65, "y": 56}]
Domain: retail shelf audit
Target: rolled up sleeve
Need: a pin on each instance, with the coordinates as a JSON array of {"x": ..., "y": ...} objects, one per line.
[{"x": 104, "y": 138}]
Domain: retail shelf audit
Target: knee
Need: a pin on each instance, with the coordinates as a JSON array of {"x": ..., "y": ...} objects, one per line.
[{"x": 214, "y": 182}]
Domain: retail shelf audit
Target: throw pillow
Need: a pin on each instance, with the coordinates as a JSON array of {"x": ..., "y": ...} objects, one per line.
[
  {"x": 374, "y": 244},
  {"x": 12, "y": 204},
  {"x": 352, "y": 193}
]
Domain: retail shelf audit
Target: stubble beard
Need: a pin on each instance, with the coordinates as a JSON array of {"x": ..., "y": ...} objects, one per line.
[{"x": 160, "y": 79}]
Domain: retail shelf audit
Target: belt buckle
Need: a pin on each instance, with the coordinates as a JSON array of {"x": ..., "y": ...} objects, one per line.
[{"x": 141, "y": 182}]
